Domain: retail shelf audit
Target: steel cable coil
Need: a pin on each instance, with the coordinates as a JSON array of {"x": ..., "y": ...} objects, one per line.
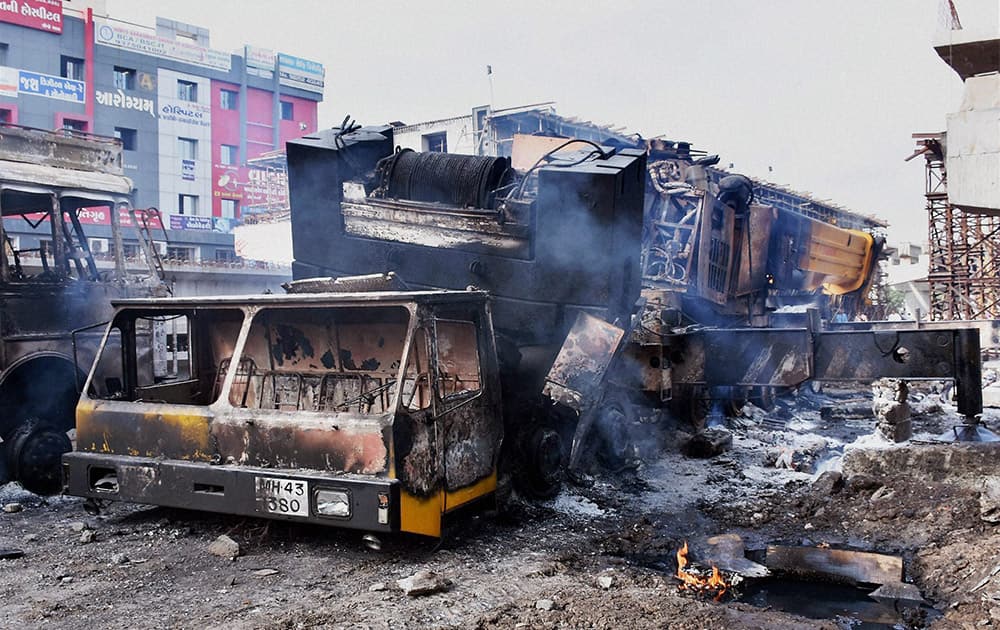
[{"x": 458, "y": 180}]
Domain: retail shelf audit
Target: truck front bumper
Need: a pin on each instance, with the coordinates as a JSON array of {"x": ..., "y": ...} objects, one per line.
[{"x": 339, "y": 500}]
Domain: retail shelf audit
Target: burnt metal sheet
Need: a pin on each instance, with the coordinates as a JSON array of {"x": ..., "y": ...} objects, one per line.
[
  {"x": 338, "y": 442},
  {"x": 417, "y": 446},
  {"x": 472, "y": 443},
  {"x": 431, "y": 225},
  {"x": 577, "y": 375},
  {"x": 160, "y": 430},
  {"x": 584, "y": 358},
  {"x": 742, "y": 356}
]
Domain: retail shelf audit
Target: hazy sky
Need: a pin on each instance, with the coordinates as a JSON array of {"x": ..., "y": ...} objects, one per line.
[{"x": 826, "y": 93}]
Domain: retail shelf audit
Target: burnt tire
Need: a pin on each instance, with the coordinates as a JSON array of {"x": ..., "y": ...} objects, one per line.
[
  {"x": 613, "y": 446},
  {"x": 34, "y": 456},
  {"x": 539, "y": 475},
  {"x": 690, "y": 406}
]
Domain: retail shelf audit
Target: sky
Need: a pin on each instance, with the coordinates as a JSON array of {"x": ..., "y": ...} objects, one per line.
[{"x": 815, "y": 95}]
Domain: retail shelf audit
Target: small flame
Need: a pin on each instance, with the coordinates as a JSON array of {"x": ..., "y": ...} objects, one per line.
[{"x": 715, "y": 584}]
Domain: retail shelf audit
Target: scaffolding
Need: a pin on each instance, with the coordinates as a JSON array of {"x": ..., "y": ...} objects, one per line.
[{"x": 964, "y": 273}]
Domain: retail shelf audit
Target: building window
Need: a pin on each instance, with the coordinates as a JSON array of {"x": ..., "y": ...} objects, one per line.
[
  {"x": 228, "y": 99},
  {"x": 287, "y": 110},
  {"x": 229, "y": 208},
  {"x": 127, "y": 136},
  {"x": 187, "y": 148},
  {"x": 187, "y": 204},
  {"x": 71, "y": 68},
  {"x": 187, "y": 90},
  {"x": 3, "y": 54},
  {"x": 225, "y": 255},
  {"x": 178, "y": 253},
  {"x": 436, "y": 142},
  {"x": 124, "y": 78},
  {"x": 6, "y": 116},
  {"x": 229, "y": 155},
  {"x": 74, "y": 124}
]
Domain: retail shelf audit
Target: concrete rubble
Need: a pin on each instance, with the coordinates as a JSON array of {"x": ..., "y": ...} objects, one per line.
[
  {"x": 224, "y": 547},
  {"x": 423, "y": 582},
  {"x": 892, "y": 409}
]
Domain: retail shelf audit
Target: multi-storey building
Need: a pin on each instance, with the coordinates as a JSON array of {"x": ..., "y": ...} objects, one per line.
[{"x": 190, "y": 117}]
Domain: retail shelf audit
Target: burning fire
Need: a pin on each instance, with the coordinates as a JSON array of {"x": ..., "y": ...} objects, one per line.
[{"x": 690, "y": 580}]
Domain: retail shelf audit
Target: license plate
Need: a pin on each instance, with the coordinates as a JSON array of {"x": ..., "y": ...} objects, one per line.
[{"x": 282, "y": 496}]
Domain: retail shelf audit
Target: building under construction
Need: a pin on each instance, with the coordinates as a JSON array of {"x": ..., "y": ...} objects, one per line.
[{"x": 963, "y": 186}]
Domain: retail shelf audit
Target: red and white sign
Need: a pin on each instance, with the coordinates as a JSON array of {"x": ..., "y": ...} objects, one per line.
[
  {"x": 252, "y": 187},
  {"x": 99, "y": 215},
  {"x": 44, "y": 15}
]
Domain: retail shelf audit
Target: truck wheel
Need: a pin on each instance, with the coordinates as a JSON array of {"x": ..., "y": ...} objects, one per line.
[
  {"x": 614, "y": 445},
  {"x": 691, "y": 406},
  {"x": 34, "y": 456},
  {"x": 540, "y": 473}
]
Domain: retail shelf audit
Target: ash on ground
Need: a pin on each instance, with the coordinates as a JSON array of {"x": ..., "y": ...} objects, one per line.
[{"x": 597, "y": 556}]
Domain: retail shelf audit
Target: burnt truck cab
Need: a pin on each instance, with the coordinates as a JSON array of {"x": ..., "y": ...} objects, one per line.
[{"x": 378, "y": 411}]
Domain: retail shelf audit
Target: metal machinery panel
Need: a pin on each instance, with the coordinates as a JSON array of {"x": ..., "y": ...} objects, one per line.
[{"x": 576, "y": 247}]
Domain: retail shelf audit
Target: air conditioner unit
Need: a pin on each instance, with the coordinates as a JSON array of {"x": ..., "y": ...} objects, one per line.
[{"x": 98, "y": 245}]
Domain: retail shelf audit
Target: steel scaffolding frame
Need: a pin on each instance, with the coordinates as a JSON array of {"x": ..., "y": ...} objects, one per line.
[{"x": 964, "y": 273}]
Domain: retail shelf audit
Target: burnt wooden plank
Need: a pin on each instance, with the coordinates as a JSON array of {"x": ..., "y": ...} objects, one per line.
[{"x": 835, "y": 564}]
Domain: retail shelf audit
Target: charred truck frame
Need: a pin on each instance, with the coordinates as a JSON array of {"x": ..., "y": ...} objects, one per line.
[
  {"x": 378, "y": 411},
  {"x": 365, "y": 403},
  {"x": 55, "y": 298}
]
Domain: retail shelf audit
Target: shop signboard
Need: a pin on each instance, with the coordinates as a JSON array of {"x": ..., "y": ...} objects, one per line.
[
  {"x": 42, "y": 15},
  {"x": 96, "y": 215},
  {"x": 251, "y": 187},
  {"x": 188, "y": 113},
  {"x": 121, "y": 100},
  {"x": 189, "y": 222},
  {"x": 39, "y": 84},
  {"x": 260, "y": 58},
  {"x": 119, "y": 35},
  {"x": 300, "y": 73}
]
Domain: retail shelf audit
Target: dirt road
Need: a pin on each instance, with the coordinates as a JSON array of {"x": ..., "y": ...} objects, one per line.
[{"x": 541, "y": 566}]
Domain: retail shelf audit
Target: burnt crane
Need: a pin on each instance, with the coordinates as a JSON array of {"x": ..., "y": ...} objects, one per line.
[
  {"x": 585, "y": 230},
  {"x": 451, "y": 317}
]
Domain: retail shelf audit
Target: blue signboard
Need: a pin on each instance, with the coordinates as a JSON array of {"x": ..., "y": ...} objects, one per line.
[
  {"x": 50, "y": 87},
  {"x": 300, "y": 73},
  {"x": 187, "y": 170},
  {"x": 189, "y": 222}
]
